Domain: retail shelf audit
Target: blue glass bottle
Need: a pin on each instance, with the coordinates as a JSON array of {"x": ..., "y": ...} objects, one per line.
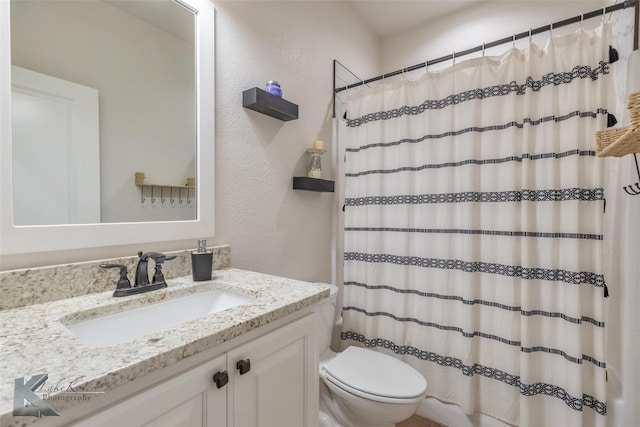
[{"x": 273, "y": 88}]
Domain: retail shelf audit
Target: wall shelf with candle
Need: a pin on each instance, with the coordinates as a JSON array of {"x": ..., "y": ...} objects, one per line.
[
  {"x": 313, "y": 184},
  {"x": 166, "y": 192},
  {"x": 313, "y": 181},
  {"x": 263, "y": 102}
]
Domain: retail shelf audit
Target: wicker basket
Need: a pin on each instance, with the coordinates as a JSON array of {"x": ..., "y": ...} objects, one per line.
[
  {"x": 619, "y": 142},
  {"x": 606, "y": 137},
  {"x": 633, "y": 103}
]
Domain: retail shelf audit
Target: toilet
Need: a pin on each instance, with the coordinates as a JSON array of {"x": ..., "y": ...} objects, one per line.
[{"x": 361, "y": 387}]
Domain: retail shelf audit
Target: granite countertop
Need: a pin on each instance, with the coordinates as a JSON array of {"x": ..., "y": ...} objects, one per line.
[{"x": 33, "y": 339}]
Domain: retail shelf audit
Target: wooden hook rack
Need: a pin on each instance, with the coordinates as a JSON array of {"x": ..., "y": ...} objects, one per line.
[{"x": 172, "y": 194}]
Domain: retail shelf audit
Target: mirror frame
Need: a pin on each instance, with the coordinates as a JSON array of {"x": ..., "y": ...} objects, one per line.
[{"x": 26, "y": 239}]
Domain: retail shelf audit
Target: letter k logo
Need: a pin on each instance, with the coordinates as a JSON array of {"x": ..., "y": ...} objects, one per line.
[{"x": 24, "y": 392}]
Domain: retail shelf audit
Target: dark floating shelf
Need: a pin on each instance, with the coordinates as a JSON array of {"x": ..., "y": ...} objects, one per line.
[
  {"x": 313, "y": 184},
  {"x": 263, "y": 102}
]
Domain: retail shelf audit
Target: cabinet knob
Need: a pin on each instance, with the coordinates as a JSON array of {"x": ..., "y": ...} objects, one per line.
[
  {"x": 221, "y": 378},
  {"x": 243, "y": 366}
]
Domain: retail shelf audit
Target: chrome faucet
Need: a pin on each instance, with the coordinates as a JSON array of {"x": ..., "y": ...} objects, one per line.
[{"x": 141, "y": 282}]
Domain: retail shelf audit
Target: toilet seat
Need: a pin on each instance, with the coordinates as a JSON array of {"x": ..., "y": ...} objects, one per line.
[{"x": 375, "y": 376}]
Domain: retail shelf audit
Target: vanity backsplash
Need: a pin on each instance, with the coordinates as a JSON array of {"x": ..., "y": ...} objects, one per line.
[{"x": 19, "y": 288}]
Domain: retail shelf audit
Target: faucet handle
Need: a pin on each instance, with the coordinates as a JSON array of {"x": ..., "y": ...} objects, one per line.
[
  {"x": 164, "y": 258},
  {"x": 157, "y": 257},
  {"x": 123, "y": 281}
]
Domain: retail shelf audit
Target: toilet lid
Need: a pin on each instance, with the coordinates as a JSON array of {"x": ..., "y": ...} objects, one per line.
[{"x": 376, "y": 374}]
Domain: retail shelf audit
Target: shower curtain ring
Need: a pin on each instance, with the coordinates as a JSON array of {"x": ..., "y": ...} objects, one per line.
[
  {"x": 581, "y": 22},
  {"x": 483, "y": 49},
  {"x": 453, "y": 57},
  {"x": 513, "y": 40},
  {"x": 530, "y": 37},
  {"x": 604, "y": 11},
  {"x": 551, "y": 30}
]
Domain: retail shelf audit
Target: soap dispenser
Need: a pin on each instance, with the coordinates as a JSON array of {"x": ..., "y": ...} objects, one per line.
[{"x": 201, "y": 262}]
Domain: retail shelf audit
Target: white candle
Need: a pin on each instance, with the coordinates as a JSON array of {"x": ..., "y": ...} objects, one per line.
[{"x": 318, "y": 145}]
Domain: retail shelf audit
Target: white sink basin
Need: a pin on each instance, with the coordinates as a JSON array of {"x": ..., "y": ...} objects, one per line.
[{"x": 129, "y": 325}]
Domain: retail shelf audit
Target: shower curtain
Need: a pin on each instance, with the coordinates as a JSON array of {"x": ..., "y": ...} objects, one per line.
[{"x": 473, "y": 230}]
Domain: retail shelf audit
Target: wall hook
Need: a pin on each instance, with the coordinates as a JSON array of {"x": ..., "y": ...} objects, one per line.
[
  {"x": 180, "y": 195},
  {"x": 172, "y": 199},
  {"x": 153, "y": 197},
  {"x": 162, "y": 199},
  {"x": 188, "y": 199},
  {"x": 142, "y": 199},
  {"x": 634, "y": 189}
]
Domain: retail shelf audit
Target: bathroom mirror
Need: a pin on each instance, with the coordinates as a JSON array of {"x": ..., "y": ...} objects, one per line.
[{"x": 155, "y": 116}]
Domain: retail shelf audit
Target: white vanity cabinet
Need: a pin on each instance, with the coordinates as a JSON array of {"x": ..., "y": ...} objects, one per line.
[
  {"x": 271, "y": 381},
  {"x": 188, "y": 400},
  {"x": 271, "y": 391}
]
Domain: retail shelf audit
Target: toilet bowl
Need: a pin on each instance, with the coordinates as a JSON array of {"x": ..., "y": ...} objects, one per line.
[{"x": 361, "y": 387}]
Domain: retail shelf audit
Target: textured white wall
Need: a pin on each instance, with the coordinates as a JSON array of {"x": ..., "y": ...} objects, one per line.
[
  {"x": 484, "y": 22},
  {"x": 270, "y": 227}
]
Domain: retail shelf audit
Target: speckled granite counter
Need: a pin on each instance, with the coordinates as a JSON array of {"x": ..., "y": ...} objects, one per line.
[
  {"x": 28, "y": 286},
  {"x": 33, "y": 340}
]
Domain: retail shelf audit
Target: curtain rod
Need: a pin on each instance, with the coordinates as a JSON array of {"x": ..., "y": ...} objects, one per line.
[{"x": 511, "y": 39}]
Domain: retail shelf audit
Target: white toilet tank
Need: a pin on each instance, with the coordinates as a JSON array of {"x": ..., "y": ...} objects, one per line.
[{"x": 326, "y": 319}]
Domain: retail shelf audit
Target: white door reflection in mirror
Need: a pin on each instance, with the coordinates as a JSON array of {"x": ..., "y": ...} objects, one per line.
[{"x": 56, "y": 153}]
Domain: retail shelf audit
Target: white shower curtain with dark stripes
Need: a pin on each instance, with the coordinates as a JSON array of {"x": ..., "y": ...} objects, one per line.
[{"x": 473, "y": 230}]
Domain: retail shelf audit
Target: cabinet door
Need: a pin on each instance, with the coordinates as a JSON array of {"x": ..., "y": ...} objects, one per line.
[
  {"x": 279, "y": 387},
  {"x": 191, "y": 399}
]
